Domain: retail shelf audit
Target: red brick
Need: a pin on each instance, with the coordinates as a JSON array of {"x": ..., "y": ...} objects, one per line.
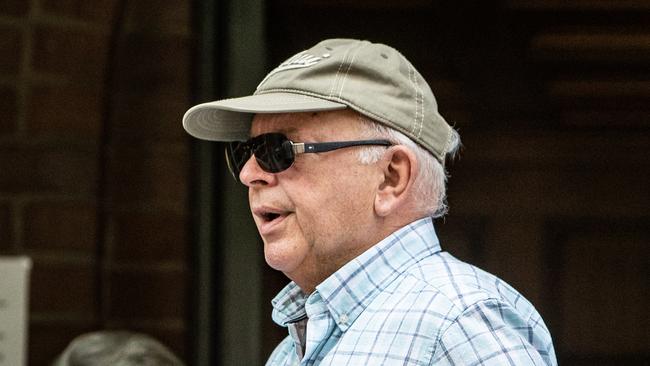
[
  {"x": 152, "y": 90},
  {"x": 8, "y": 110},
  {"x": 149, "y": 175},
  {"x": 76, "y": 53},
  {"x": 11, "y": 44},
  {"x": 6, "y": 228},
  {"x": 63, "y": 289},
  {"x": 47, "y": 170},
  {"x": 14, "y": 7},
  {"x": 53, "y": 225},
  {"x": 148, "y": 295},
  {"x": 101, "y": 11},
  {"x": 148, "y": 237},
  {"x": 71, "y": 110},
  {"x": 48, "y": 340}
]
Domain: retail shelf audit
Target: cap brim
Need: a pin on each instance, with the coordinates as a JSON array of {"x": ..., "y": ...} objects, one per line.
[{"x": 230, "y": 119}]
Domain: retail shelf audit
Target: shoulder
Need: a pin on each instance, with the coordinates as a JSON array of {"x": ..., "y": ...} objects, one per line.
[
  {"x": 434, "y": 292},
  {"x": 493, "y": 332},
  {"x": 464, "y": 285},
  {"x": 486, "y": 318}
]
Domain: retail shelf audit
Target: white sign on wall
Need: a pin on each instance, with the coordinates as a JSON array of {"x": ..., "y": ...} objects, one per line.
[{"x": 14, "y": 291}]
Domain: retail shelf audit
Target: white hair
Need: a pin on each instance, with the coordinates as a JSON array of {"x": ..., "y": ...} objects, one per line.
[
  {"x": 430, "y": 193},
  {"x": 116, "y": 348}
]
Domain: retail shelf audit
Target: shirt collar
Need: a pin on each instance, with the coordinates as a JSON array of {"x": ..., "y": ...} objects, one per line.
[
  {"x": 289, "y": 305},
  {"x": 348, "y": 291}
]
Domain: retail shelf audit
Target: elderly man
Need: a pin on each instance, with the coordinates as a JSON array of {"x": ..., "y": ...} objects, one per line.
[{"x": 342, "y": 149}]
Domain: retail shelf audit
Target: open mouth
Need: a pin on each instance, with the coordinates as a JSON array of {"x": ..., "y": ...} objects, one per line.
[
  {"x": 269, "y": 219},
  {"x": 270, "y": 216}
]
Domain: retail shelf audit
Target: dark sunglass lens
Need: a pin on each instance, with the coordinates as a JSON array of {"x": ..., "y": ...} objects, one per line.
[
  {"x": 274, "y": 154},
  {"x": 237, "y": 154}
]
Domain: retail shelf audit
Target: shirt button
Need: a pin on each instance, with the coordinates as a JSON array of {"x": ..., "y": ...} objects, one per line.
[{"x": 343, "y": 319}]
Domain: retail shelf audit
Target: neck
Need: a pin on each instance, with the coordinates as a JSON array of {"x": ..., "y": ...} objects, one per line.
[{"x": 329, "y": 265}]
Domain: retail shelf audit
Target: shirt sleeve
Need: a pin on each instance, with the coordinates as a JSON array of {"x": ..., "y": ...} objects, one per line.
[{"x": 491, "y": 333}]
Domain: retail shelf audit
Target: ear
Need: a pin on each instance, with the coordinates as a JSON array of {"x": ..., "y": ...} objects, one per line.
[{"x": 399, "y": 169}]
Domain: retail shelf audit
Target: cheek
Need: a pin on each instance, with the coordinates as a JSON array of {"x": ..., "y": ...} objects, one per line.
[
  {"x": 316, "y": 211},
  {"x": 330, "y": 203},
  {"x": 327, "y": 218}
]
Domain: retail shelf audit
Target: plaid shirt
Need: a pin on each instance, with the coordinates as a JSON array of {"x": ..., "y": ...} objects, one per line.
[{"x": 404, "y": 302}]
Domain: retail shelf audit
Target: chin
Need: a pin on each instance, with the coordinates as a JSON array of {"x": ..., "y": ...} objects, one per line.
[
  {"x": 280, "y": 258},
  {"x": 274, "y": 263}
]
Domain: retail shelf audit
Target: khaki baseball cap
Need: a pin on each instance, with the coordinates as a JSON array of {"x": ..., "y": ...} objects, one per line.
[{"x": 373, "y": 79}]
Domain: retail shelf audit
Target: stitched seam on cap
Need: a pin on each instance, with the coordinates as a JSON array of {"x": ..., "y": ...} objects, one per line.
[
  {"x": 354, "y": 57},
  {"x": 419, "y": 108},
  {"x": 420, "y": 97},
  {"x": 338, "y": 71},
  {"x": 415, "y": 114},
  {"x": 339, "y": 100}
]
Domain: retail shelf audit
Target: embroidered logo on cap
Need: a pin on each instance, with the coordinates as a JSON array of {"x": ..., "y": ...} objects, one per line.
[
  {"x": 298, "y": 61},
  {"x": 303, "y": 59}
]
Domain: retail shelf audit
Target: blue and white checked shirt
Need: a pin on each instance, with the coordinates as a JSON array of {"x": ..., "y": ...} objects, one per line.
[{"x": 404, "y": 302}]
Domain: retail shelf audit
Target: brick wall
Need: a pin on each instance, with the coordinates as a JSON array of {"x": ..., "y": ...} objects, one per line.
[{"x": 94, "y": 165}]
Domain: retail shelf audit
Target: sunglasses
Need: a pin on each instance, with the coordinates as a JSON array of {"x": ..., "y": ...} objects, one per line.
[{"x": 274, "y": 152}]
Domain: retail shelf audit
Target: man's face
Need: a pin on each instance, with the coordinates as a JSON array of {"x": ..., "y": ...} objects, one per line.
[{"x": 317, "y": 215}]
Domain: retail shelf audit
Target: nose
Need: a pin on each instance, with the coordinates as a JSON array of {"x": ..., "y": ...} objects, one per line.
[{"x": 252, "y": 175}]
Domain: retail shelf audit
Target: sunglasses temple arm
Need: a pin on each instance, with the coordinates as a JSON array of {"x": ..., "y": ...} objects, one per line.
[{"x": 329, "y": 146}]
